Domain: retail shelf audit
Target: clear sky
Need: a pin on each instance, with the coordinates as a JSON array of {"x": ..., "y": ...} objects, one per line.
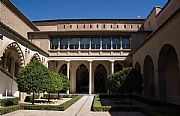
[{"x": 60, "y": 9}]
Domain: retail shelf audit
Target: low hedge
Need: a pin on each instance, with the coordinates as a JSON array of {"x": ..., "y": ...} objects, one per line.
[
  {"x": 9, "y": 102},
  {"x": 55, "y": 96},
  {"x": 67, "y": 104},
  {"x": 61, "y": 107},
  {"x": 97, "y": 106},
  {"x": 5, "y": 110},
  {"x": 42, "y": 107}
]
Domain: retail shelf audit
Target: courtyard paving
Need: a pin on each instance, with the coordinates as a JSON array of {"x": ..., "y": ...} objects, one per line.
[{"x": 81, "y": 108}]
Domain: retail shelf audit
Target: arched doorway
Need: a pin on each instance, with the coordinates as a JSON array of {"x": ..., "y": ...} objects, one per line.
[
  {"x": 100, "y": 79},
  {"x": 63, "y": 69},
  {"x": 117, "y": 67},
  {"x": 138, "y": 67},
  {"x": 82, "y": 79},
  {"x": 148, "y": 73},
  {"x": 169, "y": 77},
  {"x": 12, "y": 59}
]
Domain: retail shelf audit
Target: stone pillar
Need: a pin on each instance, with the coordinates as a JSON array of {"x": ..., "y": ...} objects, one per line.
[
  {"x": 79, "y": 42},
  {"x": 101, "y": 43},
  {"x": 90, "y": 77},
  {"x": 121, "y": 43},
  {"x": 89, "y": 45},
  {"x": 112, "y": 67},
  {"x": 111, "y": 43},
  {"x": 68, "y": 44},
  {"x": 68, "y": 69},
  {"x": 59, "y": 44},
  {"x": 156, "y": 81}
]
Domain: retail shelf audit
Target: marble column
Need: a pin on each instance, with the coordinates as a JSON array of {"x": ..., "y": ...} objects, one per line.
[
  {"x": 90, "y": 77},
  {"x": 68, "y": 69},
  {"x": 111, "y": 43},
  {"x": 112, "y": 67}
]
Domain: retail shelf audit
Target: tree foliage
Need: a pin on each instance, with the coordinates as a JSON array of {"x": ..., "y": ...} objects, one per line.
[
  {"x": 55, "y": 82},
  {"x": 65, "y": 81},
  {"x": 133, "y": 82},
  {"x": 125, "y": 81},
  {"x": 33, "y": 78}
]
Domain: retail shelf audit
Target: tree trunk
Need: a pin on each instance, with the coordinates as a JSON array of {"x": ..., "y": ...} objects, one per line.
[
  {"x": 58, "y": 94},
  {"x": 33, "y": 99},
  {"x": 49, "y": 97}
]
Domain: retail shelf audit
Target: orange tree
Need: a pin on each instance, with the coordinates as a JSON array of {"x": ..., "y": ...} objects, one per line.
[{"x": 33, "y": 78}]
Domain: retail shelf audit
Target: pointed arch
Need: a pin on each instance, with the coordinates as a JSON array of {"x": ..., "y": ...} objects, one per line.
[
  {"x": 100, "y": 79},
  {"x": 36, "y": 57},
  {"x": 169, "y": 75},
  {"x": 148, "y": 74},
  {"x": 82, "y": 79},
  {"x": 13, "y": 58}
]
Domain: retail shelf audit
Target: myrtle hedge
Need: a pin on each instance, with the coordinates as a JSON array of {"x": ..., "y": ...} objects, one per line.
[{"x": 61, "y": 107}]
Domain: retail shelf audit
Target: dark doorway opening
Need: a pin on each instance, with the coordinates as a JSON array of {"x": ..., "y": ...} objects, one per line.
[
  {"x": 82, "y": 79},
  {"x": 100, "y": 79}
]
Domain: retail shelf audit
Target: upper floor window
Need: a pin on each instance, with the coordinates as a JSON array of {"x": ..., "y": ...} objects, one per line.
[
  {"x": 64, "y": 43},
  {"x": 84, "y": 43},
  {"x": 125, "y": 43},
  {"x": 106, "y": 43},
  {"x": 95, "y": 43},
  {"x": 54, "y": 43},
  {"x": 116, "y": 43},
  {"x": 74, "y": 43}
]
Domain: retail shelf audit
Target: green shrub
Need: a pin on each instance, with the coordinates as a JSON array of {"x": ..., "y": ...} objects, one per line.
[
  {"x": 70, "y": 102},
  {"x": 97, "y": 105},
  {"x": 9, "y": 102},
  {"x": 55, "y": 96},
  {"x": 60, "y": 107},
  {"x": 42, "y": 107},
  {"x": 5, "y": 110}
]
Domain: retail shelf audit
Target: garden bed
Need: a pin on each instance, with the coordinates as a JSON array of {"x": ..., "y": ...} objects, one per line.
[
  {"x": 114, "y": 103},
  {"x": 60, "y": 107}
]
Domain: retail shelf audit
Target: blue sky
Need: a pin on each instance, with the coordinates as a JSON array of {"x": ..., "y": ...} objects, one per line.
[{"x": 59, "y": 9}]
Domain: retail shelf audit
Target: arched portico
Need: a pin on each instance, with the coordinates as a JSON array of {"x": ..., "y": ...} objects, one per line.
[
  {"x": 11, "y": 61},
  {"x": 148, "y": 74},
  {"x": 169, "y": 76},
  {"x": 100, "y": 79},
  {"x": 63, "y": 69},
  {"x": 82, "y": 79}
]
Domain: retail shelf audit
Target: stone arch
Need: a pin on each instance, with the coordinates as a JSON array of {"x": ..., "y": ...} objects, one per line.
[
  {"x": 12, "y": 58},
  {"x": 36, "y": 57},
  {"x": 100, "y": 79},
  {"x": 169, "y": 75},
  {"x": 138, "y": 67},
  {"x": 63, "y": 69},
  {"x": 148, "y": 74},
  {"x": 117, "y": 67},
  {"x": 82, "y": 79}
]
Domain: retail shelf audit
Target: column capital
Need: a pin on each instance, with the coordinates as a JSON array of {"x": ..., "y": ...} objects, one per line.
[
  {"x": 68, "y": 61},
  {"x": 90, "y": 61},
  {"x": 112, "y": 61}
]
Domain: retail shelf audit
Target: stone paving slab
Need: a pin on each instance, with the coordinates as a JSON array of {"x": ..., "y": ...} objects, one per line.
[{"x": 81, "y": 108}]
